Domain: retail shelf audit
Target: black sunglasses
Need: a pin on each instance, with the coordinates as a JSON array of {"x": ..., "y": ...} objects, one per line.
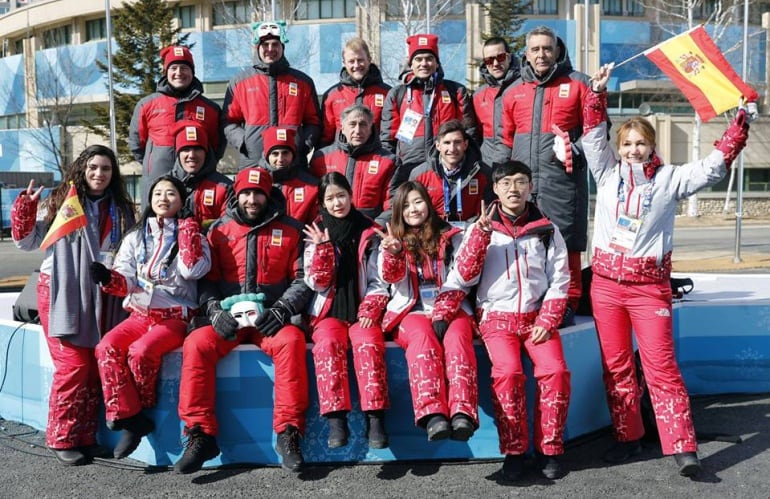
[{"x": 499, "y": 58}]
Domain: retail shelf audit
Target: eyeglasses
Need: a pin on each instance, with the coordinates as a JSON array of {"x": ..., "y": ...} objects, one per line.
[
  {"x": 506, "y": 184},
  {"x": 499, "y": 58},
  {"x": 266, "y": 29}
]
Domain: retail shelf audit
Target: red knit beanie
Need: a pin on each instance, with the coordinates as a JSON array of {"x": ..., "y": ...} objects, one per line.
[
  {"x": 422, "y": 43},
  {"x": 175, "y": 53},
  {"x": 253, "y": 178}
]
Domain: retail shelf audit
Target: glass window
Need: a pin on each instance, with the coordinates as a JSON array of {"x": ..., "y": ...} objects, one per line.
[
  {"x": 18, "y": 46},
  {"x": 437, "y": 7},
  {"x": 57, "y": 37},
  {"x": 235, "y": 12},
  {"x": 96, "y": 29},
  {"x": 634, "y": 8},
  {"x": 185, "y": 15},
  {"x": 325, "y": 9},
  {"x": 544, "y": 7}
]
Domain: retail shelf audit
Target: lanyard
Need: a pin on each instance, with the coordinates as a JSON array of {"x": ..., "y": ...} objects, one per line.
[
  {"x": 165, "y": 250},
  {"x": 422, "y": 278},
  {"x": 448, "y": 197},
  {"x": 115, "y": 229},
  {"x": 646, "y": 195}
]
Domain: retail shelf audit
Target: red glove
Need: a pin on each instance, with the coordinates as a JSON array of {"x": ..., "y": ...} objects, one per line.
[
  {"x": 734, "y": 139},
  {"x": 189, "y": 238},
  {"x": 594, "y": 110}
]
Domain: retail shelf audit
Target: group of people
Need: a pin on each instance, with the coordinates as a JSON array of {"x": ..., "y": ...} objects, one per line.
[{"x": 423, "y": 214}]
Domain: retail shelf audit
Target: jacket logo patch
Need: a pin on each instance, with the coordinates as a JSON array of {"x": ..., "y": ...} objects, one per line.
[
  {"x": 208, "y": 197},
  {"x": 473, "y": 187},
  {"x": 200, "y": 113},
  {"x": 191, "y": 133},
  {"x": 254, "y": 176},
  {"x": 379, "y": 100},
  {"x": 564, "y": 90},
  {"x": 280, "y": 134},
  {"x": 445, "y": 98},
  {"x": 276, "y": 237},
  {"x": 374, "y": 166},
  {"x": 293, "y": 89},
  {"x": 299, "y": 194}
]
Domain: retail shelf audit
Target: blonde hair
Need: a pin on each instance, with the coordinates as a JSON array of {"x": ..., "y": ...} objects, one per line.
[
  {"x": 640, "y": 126},
  {"x": 356, "y": 44}
]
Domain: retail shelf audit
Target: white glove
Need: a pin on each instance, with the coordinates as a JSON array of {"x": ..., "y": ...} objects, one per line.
[{"x": 560, "y": 148}]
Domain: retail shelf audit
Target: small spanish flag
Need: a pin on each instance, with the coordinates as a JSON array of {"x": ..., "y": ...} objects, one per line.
[
  {"x": 70, "y": 218},
  {"x": 699, "y": 69}
]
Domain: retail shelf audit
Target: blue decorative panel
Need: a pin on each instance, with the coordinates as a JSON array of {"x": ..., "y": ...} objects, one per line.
[
  {"x": 64, "y": 73},
  {"x": 12, "y": 97},
  {"x": 30, "y": 150}
]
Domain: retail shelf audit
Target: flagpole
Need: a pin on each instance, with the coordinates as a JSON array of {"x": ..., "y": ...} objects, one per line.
[
  {"x": 739, "y": 187},
  {"x": 113, "y": 126}
]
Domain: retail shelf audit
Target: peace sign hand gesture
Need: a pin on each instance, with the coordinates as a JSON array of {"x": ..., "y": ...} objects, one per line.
[
  {"x": 390, "y": 243},
  {"x": 315, "y": 235},
  {"x": 33, "y": 194},
  {"x": 484, "y": 222}
]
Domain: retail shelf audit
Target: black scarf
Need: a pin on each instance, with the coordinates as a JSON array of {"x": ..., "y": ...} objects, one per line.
[{"x": 345, "y": 234}]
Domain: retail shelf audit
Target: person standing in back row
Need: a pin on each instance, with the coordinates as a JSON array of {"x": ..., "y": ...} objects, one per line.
[
  {"x": 270, "y": 93},
  {"x": 550, "y": 93}
]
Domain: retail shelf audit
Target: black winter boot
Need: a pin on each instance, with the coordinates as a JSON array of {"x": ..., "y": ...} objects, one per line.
[
  {"x": 134, "y": 428},
  {"x": 288, "y": 447},
  {"x": 338, "y": 429},
  {"x": 200, "y": 448},
  {"x": 375, "y": 430}
]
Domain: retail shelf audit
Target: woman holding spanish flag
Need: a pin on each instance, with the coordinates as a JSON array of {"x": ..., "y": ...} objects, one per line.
[
  {"x": 637, "y": 195},
  {"x": 73, "y": 311}
]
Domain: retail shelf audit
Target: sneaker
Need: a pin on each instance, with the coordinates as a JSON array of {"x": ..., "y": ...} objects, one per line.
[
  {"x": 438, "y": 427},
  {"x": 200, "y": 448},
  {"x": 288, "y": 447},
  {"x": 70, "y": 457},
  {"x": 513, "y": 467},
  {"x": 375, "y": 430},
  {"x": 134, "y": 428},
  {"x": 462, "y": 427},
  {"x": 689, "y": 464},
  {"x": 550, "y": 467},
  {"x": 622, "y": 452},
  {"x": 338, "y": 429},
  {"x": 568, "y": 319}
]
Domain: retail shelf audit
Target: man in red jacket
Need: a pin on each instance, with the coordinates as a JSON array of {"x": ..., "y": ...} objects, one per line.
[
  {"x": 360, "y": 83},
  {"x": 255, "y": 248},
  {"x": 298, "y": 186},
  {"x": 415, "y": 109},
  {"x": 270, "y": 93},
  {"x": 358, "y": 155},
  {"x": 179, "y": 97},
  {"x": 549, "y": 94},
  {"x": 196, "y": 167}
]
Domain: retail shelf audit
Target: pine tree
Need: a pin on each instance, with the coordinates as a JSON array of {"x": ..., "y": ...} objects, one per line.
[
  {"x": 505, "y": 20},
  {"x": 140, "y": 30}
]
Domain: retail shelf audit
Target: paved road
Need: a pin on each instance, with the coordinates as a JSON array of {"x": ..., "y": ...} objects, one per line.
[{"x": 735, "y": 470}]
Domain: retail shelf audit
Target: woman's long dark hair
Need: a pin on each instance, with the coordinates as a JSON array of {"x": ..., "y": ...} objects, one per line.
[
  {"x": 424, "y": 239},
  {"x": 332, "y": 178},
  {"x": 76, "y": 173}
]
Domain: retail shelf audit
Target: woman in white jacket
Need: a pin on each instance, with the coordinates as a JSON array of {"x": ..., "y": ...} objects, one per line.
[
  {"x": 636, "y": 202},
  {"x": 414, "y": 258},
  {"x": 156, "y": 270}
]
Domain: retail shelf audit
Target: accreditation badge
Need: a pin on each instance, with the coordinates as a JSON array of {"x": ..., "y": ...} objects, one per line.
[
  {"x": 408, "y": 127},
  {"x": 625, "y": 233}
]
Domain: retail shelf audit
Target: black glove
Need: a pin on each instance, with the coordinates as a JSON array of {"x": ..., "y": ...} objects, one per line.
[
  {"x": 274, "y": 318},
  {"x": 440, "y": 327},
  {"x": 222, "y": 321},
  {"x": 100, "y": 274}
]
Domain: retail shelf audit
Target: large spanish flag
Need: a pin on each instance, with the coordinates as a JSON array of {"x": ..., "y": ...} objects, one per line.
[
  {"x": 70, "y": 218},
  {"x": 697, "y": 66}
]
